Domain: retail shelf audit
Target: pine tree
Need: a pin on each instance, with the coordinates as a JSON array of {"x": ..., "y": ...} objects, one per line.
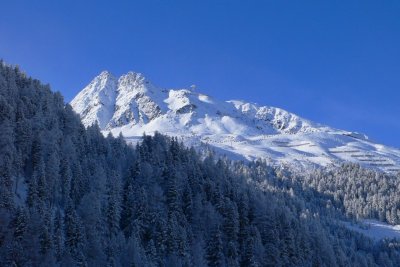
[
  {"x": 172, "y": 193},
  {"x": 58, "y": 235},
  {"x": 114, "y": 205},
  {"x": 7, "y": 154},
  {"x": 215, "y": 256},
  {"x": 74, "y": 237}
]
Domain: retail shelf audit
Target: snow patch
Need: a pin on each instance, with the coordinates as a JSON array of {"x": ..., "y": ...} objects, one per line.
[{"x": 375, "y": 229}]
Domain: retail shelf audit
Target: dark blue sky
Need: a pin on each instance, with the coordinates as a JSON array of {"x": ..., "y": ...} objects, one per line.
[{"x": 334, "y": 62}]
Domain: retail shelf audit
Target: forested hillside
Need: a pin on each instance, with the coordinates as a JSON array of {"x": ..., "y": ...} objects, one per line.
[{"x": 71, "y": 197}]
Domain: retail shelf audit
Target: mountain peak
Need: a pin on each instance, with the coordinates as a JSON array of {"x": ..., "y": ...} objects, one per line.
[
  {"x": 133, "y": 75},
  {"x": 96, "y": 100},
  {"x": 131, "y": 105},
  {"x": 134, "y": 80},
  {"x": 104, "y": 75}
]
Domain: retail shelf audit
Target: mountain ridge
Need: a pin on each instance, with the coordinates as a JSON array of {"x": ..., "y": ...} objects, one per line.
[{"x": 132, "y": 105}]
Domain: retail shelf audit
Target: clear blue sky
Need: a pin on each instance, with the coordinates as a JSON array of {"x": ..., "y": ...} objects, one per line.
[{"x": 334, "y": 62}]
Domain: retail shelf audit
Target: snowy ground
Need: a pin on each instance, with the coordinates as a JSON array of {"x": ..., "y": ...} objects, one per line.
[{"x": 375, "y": 229}]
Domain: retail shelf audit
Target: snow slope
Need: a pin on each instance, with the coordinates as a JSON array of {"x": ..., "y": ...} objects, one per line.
[
  {"x": 133, "y": 105},
  {"x": 375, "y": 229}
]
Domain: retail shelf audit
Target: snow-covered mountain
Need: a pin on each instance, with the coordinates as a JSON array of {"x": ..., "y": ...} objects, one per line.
[{"x": 133, "y": 105}]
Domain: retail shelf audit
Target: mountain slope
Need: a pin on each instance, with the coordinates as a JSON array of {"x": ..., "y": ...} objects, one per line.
[
  {"x": 71, "y": 197},
  {"x": 132, "y": 105}
]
